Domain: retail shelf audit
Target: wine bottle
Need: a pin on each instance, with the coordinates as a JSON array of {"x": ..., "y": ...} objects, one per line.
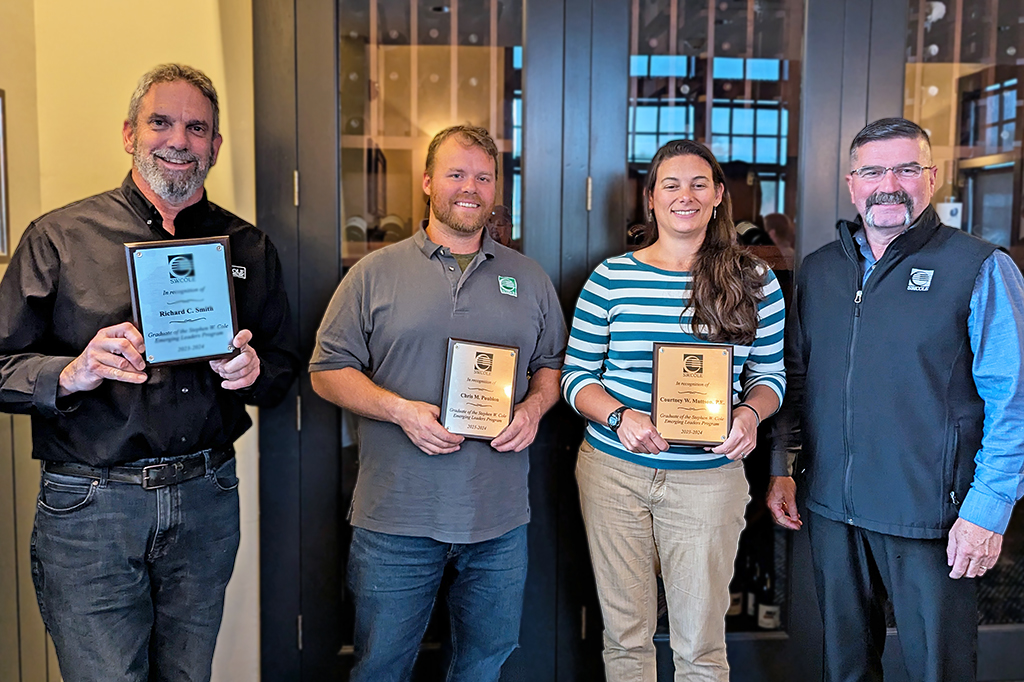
[
  {"x": 753, "y": 579},
  {"x": 735, "y": 596},
  {"x": 767, "y": 609}
]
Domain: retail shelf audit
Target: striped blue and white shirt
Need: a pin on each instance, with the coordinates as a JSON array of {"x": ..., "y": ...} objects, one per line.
[{"x": 624, "y": 309}]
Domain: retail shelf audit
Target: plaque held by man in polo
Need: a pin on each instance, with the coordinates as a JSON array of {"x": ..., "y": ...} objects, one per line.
[
  {"x": 479, "y": 388},
  {"x": 183, "y": 299},
  {"x": 691, "y": 396}
]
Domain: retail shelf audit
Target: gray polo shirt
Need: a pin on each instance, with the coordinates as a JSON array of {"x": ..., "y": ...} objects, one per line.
[{"x": 391, "y": 317}]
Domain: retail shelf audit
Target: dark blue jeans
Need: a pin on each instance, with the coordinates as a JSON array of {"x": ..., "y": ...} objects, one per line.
[
  {"x": 130, "y": 581},
  {"x": 394, "y": 580}
]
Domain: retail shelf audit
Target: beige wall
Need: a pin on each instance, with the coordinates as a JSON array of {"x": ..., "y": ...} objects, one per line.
[
  {"x": 87, "y": 65},
  {"x": 68, "y": 68},
  {"x": 23, "y": 641},
  {"x": 18, "y": 81}
]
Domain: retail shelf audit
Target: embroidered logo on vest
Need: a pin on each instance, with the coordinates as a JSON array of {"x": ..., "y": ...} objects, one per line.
[
  {"x": 920, "y": 280},
  {"x": 238, "y": 271}
]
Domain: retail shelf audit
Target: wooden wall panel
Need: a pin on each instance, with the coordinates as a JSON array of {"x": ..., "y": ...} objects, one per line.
[
  {"x": 9, "y": 658},
  {"x": 33, "y": 639}
]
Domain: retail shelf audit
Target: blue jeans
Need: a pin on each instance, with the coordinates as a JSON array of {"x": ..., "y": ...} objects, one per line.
[
  {"x": 130, "y": 581},
  {"x": 394, "y": 580}
]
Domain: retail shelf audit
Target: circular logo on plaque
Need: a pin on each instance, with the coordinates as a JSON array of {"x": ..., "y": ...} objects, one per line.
[
  {"x": 693, "y": 364},
  {"x": 484, "y": 362},
  {"x": 181, "y": 266}
]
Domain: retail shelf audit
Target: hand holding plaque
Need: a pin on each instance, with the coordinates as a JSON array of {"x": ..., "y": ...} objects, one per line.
[
  {"x": 183, "y": 301},
  {"x": 479, "y": 388},
  {"x": 691, "y": 396}
]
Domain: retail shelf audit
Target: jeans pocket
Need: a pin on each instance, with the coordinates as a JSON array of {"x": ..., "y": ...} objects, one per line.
[
  {"x": 224, "y": 476},
  {"x": 62, "y": 498}
]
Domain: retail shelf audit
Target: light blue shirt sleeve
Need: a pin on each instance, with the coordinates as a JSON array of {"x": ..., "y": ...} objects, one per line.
[{"x": 996, "y": 328}]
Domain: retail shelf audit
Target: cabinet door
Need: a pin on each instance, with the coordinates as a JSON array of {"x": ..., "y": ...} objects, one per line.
[
  {"x": 408, "y": 69},
  {"x": 727, "y": 73},
  {"x": 349, "y": 94},
  {"x": 963, "y": 85}
]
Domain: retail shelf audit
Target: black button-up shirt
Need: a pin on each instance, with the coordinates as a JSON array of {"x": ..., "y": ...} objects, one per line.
[{"x": 68, "y": 279}]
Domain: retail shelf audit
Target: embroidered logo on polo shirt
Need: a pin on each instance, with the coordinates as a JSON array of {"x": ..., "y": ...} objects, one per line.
[
  {"x": 920, "y": 280},
  {"x": 507, "y": 285},
  {"x": 238, "y": 271}
]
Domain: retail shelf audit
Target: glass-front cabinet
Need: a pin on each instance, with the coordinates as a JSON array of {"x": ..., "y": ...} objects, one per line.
[
  {"x": 579, "y": 95},
  {"x": 965, "y": 86},
  {"x": 727, "y": 73},
  {"x": 409, "y": 69},
  {"x": 964, "y": 80}
]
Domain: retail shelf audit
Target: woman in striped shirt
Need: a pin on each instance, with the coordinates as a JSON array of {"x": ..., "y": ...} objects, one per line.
[{"x": 647, "y": 503}]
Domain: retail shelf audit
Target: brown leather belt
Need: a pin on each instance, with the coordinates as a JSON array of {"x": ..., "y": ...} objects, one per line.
[{"x": 150, "y": 477}]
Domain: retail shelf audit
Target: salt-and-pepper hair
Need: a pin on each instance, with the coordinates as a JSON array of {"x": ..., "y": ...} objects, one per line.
[
  {"x": 889, "y": 129},
  {"x": 170, "y": 73}
]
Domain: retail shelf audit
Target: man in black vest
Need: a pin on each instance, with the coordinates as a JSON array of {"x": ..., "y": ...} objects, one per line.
[{"x": 903, "y": 355}]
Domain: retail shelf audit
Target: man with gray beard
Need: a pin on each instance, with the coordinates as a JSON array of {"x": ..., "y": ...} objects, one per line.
[
  {"x": 906, "y": 393},
  {"x": 137, "y": 526}
]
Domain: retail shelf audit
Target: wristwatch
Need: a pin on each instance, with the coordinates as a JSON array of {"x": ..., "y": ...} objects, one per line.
[{"x": 615, "y": 418}]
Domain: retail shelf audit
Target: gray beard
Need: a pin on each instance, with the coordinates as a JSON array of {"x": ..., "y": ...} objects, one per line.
[
  {"x": 888, "y": 199},
  {"x": 173, "y": 187}
]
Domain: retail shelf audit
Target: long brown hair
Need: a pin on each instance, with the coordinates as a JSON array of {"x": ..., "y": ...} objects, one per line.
[{"x": 727, "y": 279}]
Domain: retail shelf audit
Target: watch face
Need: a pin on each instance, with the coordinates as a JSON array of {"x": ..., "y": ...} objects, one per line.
[{"x": 614, "y": 419}]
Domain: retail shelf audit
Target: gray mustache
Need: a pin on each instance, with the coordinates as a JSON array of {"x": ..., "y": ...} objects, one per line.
[
  {"x": 890, "y": 199},
  {"x": 173, "y": 155}
]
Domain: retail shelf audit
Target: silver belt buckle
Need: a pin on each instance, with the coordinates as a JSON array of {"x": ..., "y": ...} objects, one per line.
[{"x": 146, "y": 471}]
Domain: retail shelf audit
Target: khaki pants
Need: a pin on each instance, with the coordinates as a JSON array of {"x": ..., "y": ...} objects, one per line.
[{"x": 688, "y": 519}]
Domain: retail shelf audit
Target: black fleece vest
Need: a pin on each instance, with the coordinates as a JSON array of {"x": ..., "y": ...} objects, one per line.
[{"x": 892, "y": 416}]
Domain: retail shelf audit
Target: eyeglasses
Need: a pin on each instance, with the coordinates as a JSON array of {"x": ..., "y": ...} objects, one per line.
[{"x": 905, "y": 171}]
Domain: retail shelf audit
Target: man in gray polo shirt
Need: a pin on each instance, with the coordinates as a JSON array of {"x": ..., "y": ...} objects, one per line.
[{"x": 426, "y": 498}]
